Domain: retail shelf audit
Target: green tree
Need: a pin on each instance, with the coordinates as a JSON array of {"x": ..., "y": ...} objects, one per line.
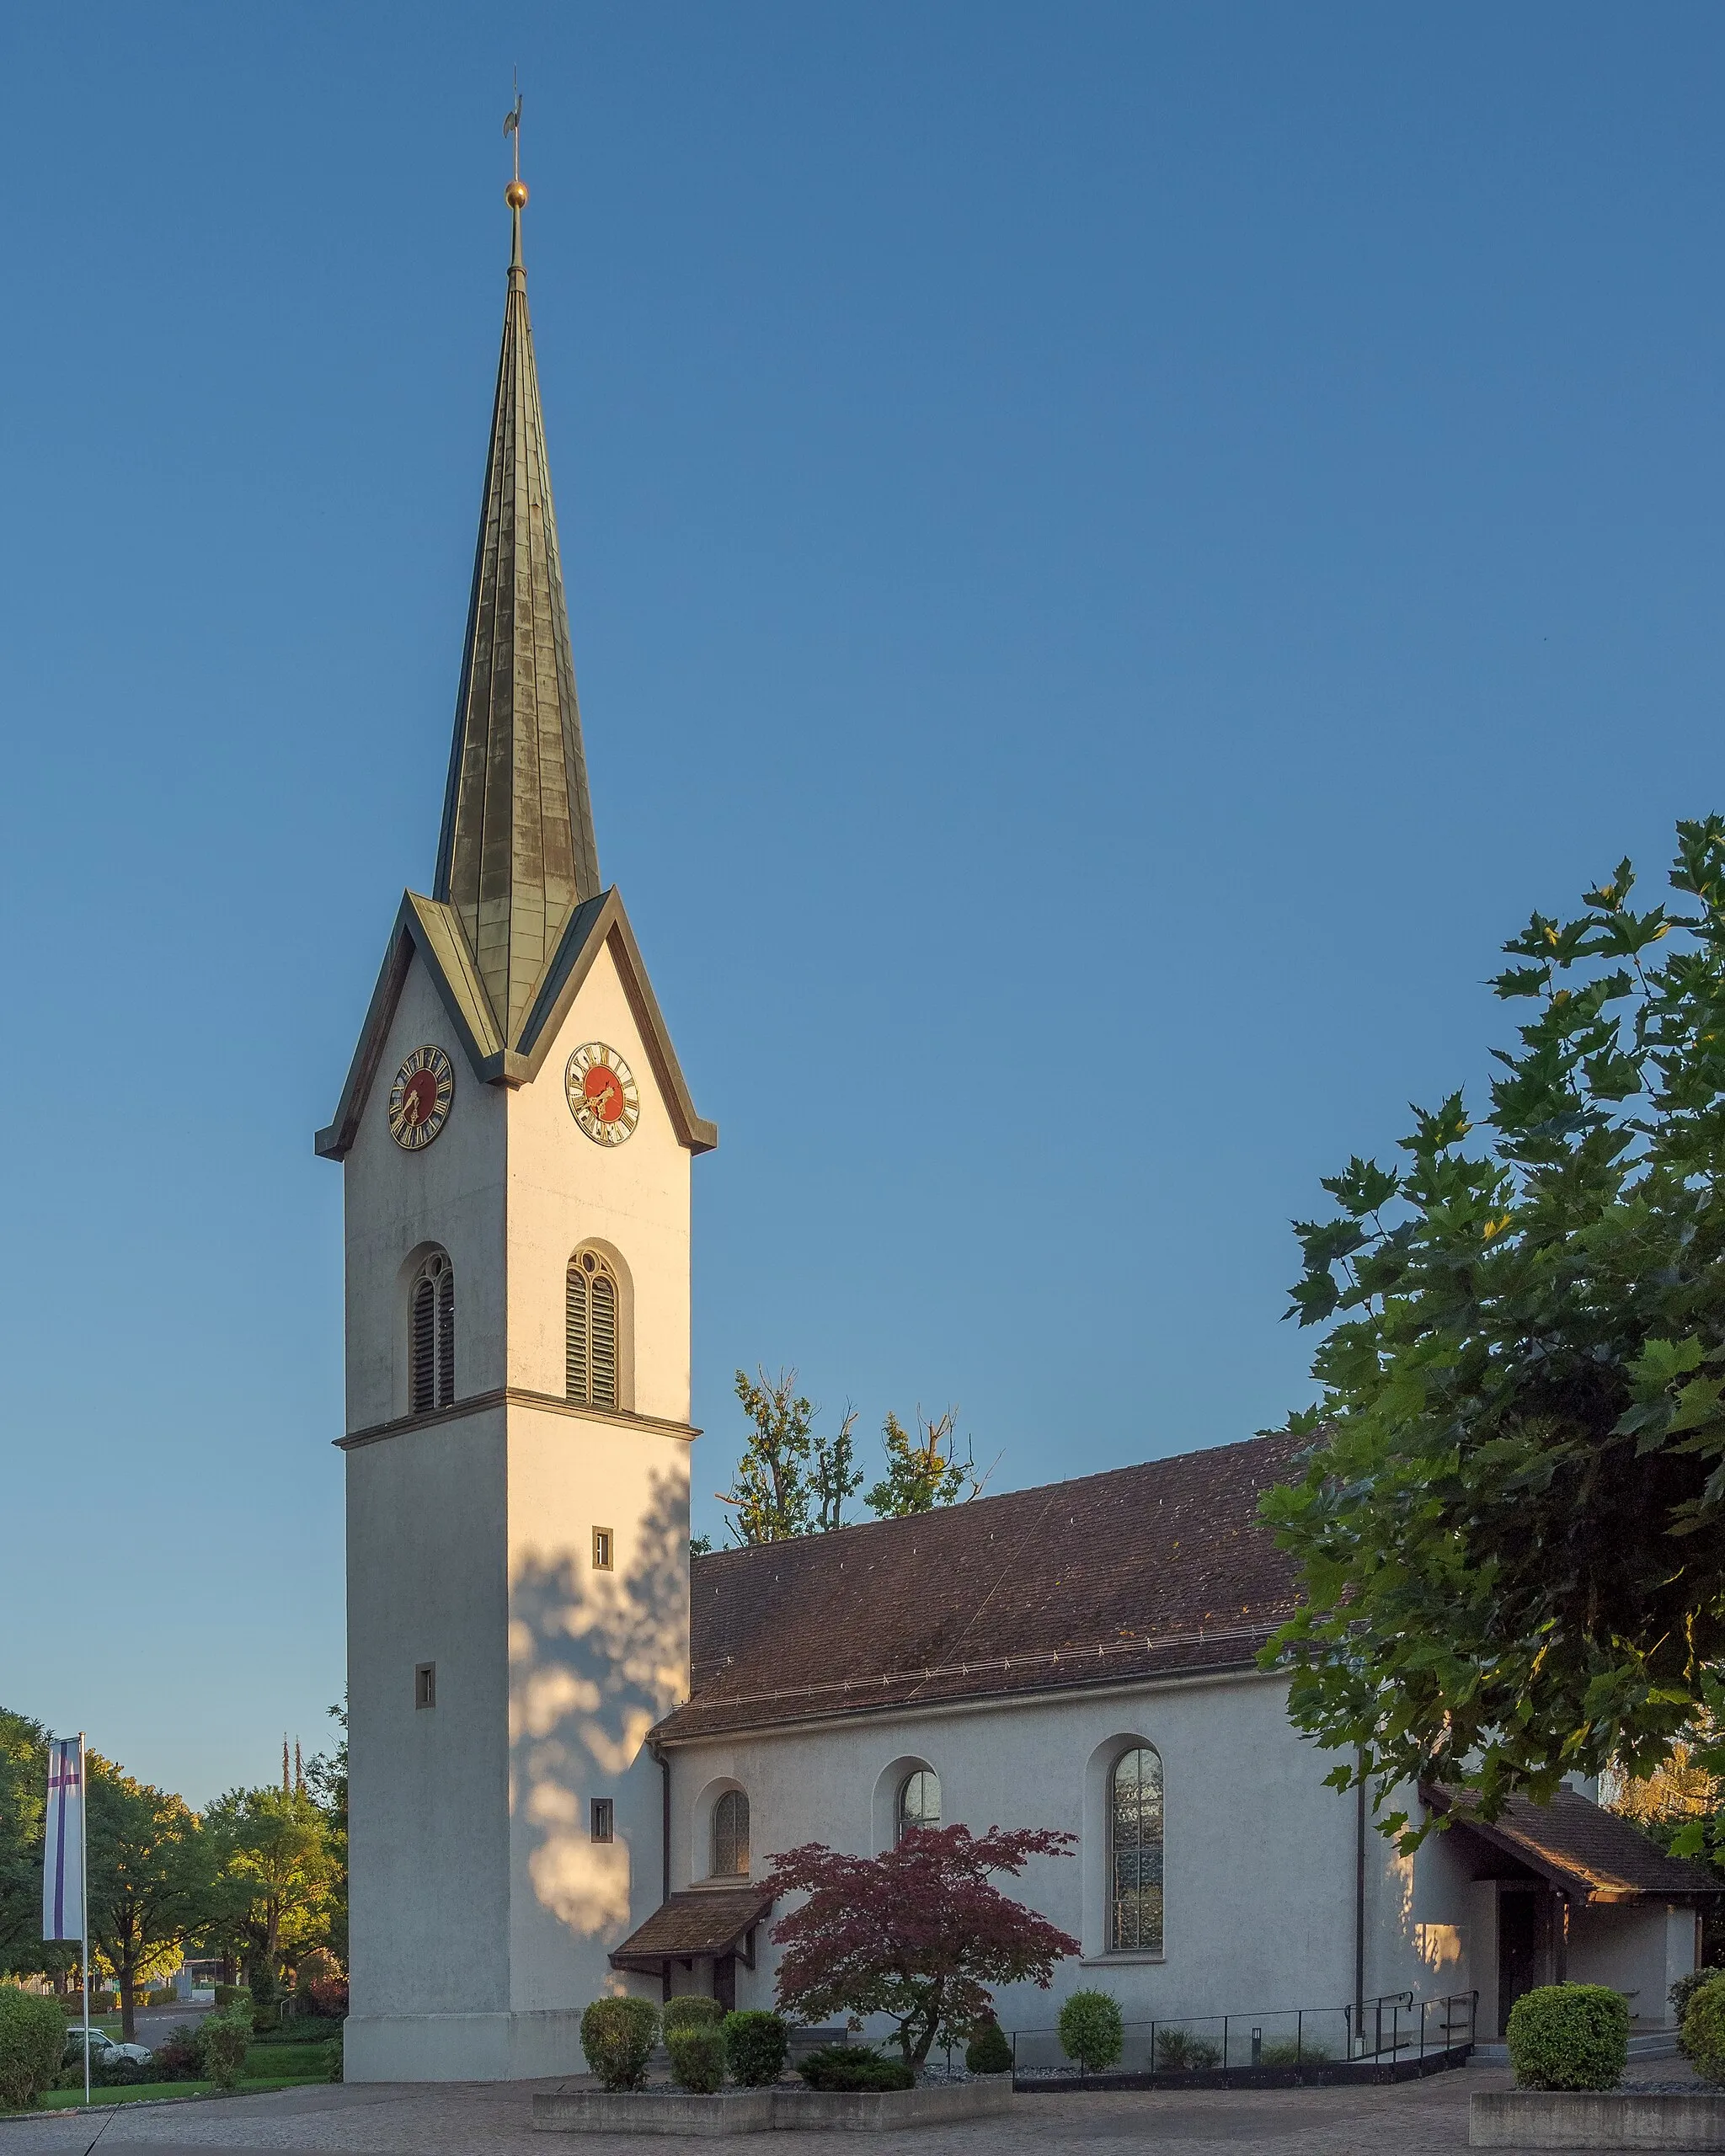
[
  {"x": 24, "y": 1784},
  {"x": 923, "y": 1472},
  {"x": 326, "y": 1783},
  {"x": 1509, "y": 1523},
  {"x": 147, "y": 1877},
  {"x": 789, "y": 1480},
  {"x": 274, "y": 1877}
]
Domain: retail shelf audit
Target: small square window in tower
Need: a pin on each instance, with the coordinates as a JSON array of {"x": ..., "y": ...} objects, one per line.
[
  {"x": 602, "y": 1559},
  {"x": 425, "y": 1684},
  {"x": 601, "y": 1815}
]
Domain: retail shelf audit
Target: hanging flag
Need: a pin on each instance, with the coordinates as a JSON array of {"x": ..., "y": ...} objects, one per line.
[{"x": 63, "y": 1860}]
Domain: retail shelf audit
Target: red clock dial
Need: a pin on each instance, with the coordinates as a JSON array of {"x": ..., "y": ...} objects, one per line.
[
  {"x": 604, "y": 1098},
  {"x": 420, "y": 1099},
  {"x": 604, "y": 1090}
]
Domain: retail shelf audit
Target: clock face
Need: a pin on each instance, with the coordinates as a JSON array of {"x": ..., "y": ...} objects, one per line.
[
  {"x": 420, "y": 1098},
  {"x": 604, "y": 1098}
]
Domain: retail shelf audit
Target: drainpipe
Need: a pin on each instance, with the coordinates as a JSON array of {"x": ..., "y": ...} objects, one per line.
[
  {"x": 1360, "y": 1901},
  {"x": 661, "y": 1754}
]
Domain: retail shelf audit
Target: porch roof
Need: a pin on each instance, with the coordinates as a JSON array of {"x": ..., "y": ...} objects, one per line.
[
  {"x": 1591, "y": 1855},
  {"x": 710, "y": 1920}
]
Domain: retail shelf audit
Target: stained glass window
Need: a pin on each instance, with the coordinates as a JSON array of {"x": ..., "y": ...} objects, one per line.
[
  {"x": 1135, "y": 1853},
  {"x": 730, "y": 1836},
  {"x": 919, "y": 1802}
]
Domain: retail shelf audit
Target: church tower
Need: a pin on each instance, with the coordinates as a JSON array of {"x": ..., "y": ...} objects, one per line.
[{"x": 515, "y": 1137}]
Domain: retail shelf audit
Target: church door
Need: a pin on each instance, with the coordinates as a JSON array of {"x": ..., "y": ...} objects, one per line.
[
  {"x": 1518, "y": 1947},
  {"x": 724, "y": 1981}
]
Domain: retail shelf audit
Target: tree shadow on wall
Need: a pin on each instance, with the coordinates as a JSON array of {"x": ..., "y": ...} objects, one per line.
[{"x": 595, "y": 1659}]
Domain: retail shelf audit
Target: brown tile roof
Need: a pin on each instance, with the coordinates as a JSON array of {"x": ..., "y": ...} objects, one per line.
[
  {"x": 712, "y": 1920},
  {"x": 1145, "y": 1571},
  {"x": 1593, "y": 1855}
]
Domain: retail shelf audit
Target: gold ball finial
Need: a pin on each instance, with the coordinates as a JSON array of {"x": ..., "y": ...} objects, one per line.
[{"x": 516, "y": 194}]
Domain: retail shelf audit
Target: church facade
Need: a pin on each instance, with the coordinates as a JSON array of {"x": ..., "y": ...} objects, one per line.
[{"x": 572, "y": 1751}]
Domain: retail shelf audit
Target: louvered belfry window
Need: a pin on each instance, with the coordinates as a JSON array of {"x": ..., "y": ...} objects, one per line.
[
  {"x": 590, "y": 1331},
  {"x": 1135, "y": 1853},
  {"x": 431, "y": 1336},
  {"x": 730, "y": 1836}
]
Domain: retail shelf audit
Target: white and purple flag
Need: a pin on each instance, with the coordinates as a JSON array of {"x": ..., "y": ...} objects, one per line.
[{"x": 63, "y": 1859}]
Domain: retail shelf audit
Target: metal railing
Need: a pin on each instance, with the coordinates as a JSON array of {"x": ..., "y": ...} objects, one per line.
[{"x": 1393, "y": 2029}]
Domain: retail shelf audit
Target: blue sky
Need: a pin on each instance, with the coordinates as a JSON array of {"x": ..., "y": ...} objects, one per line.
[{"x": 1114, "y": 553}]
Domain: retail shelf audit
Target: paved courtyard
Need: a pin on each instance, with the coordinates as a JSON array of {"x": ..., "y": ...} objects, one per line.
[{"x": 490, "y": 2119}]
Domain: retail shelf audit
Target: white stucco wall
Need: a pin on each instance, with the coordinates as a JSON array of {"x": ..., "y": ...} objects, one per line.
[
  {"x": 1641, "y": 1949},
  {"x": 427, "y": 1789},
  {"x": 394, "y": 1202},
  {"x": 1260, "y": 1855},
  {"x": 482, "y": 1911},
  {"x": 633, "y": 1199}
]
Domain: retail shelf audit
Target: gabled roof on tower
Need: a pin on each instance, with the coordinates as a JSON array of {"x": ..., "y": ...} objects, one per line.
[
  {"x": 517, "y": 854},
  {"x": 434, "y": 932}
]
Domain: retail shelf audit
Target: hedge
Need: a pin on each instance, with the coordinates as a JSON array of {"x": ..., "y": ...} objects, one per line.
[{"x": 32, "y": 2037}]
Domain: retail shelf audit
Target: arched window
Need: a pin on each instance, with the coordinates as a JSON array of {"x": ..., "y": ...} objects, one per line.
[
  {"x": 919, "y": 1802},
  {"x": 589, "y": 1330},
  {"x": 1135, "y": 1853},
  {"x": 431, "y": 1336},
  {"x": 730, "y": 1836}
]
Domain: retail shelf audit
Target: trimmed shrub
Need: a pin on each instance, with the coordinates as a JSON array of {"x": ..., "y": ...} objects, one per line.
[
  {"x": 843, "y": 2067},
  {"x": 1569, "y": 2036},
  {"x": 1092, "y": 2030},
  {"x": 178, "y": 2057},
  {"x": 32, "y": 2037},
  {"x": 616, "y": 2035},
  {"x": 226, "y": 1994},
  {"x": 697, "y": 2057},
  {"x": 1685, "y": 1988},
  {"x": 1702, "y": 2038},
  {"x": 222, "y": 2041},
  {"x": 1178, "y": 2051},
  {"x": 988, "y": 2050},
  {"x": 333, "y": 2059},
  {"x": 691, "y": 2011},
  {"x": 754, "y": 2048},
  {"x": 107, "y": 2072}
]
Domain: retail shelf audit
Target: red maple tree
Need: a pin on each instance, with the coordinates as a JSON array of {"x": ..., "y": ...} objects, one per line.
[{"x": 917, "y": 1935}]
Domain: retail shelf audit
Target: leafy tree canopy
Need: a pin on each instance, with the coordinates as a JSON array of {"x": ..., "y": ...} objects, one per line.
[
  {"x": 790, "y": 1480},
  {"x": 24, "y": 1783},
  {"x": 923, "y": 1472},
  {"x": 917, "y": 1935},
  {"x": 1509, "y": 1524},
  {"x": 276, "y": 1873},
  {"x": 147, "y": 1875}
]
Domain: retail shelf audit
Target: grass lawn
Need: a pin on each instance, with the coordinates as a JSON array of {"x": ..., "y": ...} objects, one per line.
[{"x": 267, "y": 2066}]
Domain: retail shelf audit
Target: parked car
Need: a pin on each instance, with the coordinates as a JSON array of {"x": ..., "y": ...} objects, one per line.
[{"x": 102, "y": 2046}]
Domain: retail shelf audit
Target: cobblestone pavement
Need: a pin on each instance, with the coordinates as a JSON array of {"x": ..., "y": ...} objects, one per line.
[{"x": 1419, "y": 2118}]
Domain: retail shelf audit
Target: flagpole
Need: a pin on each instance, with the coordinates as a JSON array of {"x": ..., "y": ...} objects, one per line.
[{"x": 83, "y": 1866}]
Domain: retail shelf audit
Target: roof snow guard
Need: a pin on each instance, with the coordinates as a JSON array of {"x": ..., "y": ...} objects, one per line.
[{"x": 1159, "y": 1570}]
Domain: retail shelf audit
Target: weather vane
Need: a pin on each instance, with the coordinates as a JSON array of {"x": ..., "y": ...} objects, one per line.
[{"x": 512, "y": 131}]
